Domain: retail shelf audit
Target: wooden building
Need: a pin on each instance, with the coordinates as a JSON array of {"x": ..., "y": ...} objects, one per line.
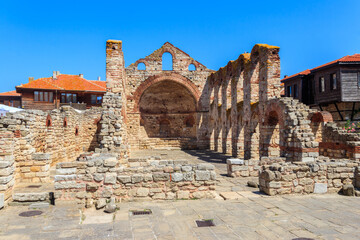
[
  {"x": 60, "y": 89},
  {"x": 12, "y": 99},
  {"x": 333, "y": 87}
]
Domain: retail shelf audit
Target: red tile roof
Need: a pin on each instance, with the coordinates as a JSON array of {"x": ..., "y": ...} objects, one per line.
[
  {"x": 67, "y": 83},
  {"x": 11, "y": 93},
  {"x": 306, "y": 72},
  {"x": 351, "y": 58}
]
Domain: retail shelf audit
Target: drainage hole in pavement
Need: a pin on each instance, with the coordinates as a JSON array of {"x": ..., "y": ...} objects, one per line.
[
  {"x": 33, "y": 186},
  {"x": 141, "y": 212},
  {"x": 205, "y": 223},
  {"x": 30, "y": 213}
]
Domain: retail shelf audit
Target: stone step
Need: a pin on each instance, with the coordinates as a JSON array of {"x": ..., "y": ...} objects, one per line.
[{"x": 29, "y": 193}]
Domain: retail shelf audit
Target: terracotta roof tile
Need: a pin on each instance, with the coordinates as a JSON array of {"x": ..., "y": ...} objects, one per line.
[
  {"x": 306, "y": 72},
  {"x": 11, "y": 93},
  {"x": 351, "y": 58},
  {"x": 66, "y": 82}
]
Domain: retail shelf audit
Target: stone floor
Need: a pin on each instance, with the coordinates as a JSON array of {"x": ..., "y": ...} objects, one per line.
[
  {"x": 246, "y": 214},
  {"x": 252, "y": 216}
]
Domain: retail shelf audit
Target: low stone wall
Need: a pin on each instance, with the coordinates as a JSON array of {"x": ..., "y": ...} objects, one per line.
[
  {"x": 338, "y": 143},
  {"x": 99, "y": 176},
  {"x": 318, "y": 177},
  {"x": 36, "y": 169},
  {"x": 7, "y": 180},
  {"x": 249, "y": 168}
]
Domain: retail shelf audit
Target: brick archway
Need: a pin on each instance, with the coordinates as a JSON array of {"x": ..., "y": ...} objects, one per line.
[{"x": 165, "y": 77}]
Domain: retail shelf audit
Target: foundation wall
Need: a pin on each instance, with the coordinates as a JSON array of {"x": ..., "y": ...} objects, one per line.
[
  {"x": 100, "y": 176},
  {"x": 31, "y": 141}
]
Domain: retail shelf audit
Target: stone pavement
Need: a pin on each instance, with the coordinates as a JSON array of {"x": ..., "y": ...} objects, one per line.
[{"x": 252, "y": 216}]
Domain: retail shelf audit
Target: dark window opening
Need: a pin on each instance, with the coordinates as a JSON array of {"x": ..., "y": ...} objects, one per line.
[
  {"x": 96, "y": 99},
  {"x": 333, "y": 81},
  {"x": 321, "y": 84},
  {"x": 68, "y": 98},
  {"x": 289, "y": 91},
  {"x": 295, "y": 91},
  {"x": 76, "y": 131}
]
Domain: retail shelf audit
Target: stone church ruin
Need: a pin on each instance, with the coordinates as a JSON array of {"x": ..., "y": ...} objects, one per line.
[{"x": 85, "y": 156}]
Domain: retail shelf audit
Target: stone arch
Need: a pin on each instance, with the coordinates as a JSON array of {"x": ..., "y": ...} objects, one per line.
[
  {"x": 317, "y": 123},
  {"x": 165, "y": 77},
  {"x": 290, "y": 129}
]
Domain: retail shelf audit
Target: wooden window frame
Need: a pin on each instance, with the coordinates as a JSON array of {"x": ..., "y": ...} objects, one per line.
[
  {"x": 49, "y": 94},
  {"x": 333, "y": 84}
]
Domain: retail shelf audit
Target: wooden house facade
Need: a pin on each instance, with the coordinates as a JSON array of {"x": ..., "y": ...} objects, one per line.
[{"x": 333, "y": 87}]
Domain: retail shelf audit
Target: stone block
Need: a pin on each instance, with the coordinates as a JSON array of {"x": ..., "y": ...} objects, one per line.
[
  {"x": 201, "y": 175},
  {"x": 2, "y": 200},
  {"x": 348, "y": 190},
  {"x": 199, "y": 195},
  {"x": 183, "y": 195},
  {"x": 40, "y": 156},
  {"x": 159, "y": 196},
  {"x": 188, "y": 176},
  {"x": 136, "y": 178},
  {"x": 205, "y": 166},
  {"x": 100, "y": 203},
  {"x": 110, "y": 162},
  {"x": 110, "y": 178},
  {"x": 235, "y": 161},
  {"x": 161, "y": 177},
  {"x": 30, "y": 197},
  {"x": 177, "y": 177},
  {"x": 142, "y": 192},
  {"x": 320, "y": 188},
  {"x": 98, "y": 177},
  {"x": 186, "y": 168},
  {"x": 124, "y": 179},
  {"x": 65, "y": 171}
]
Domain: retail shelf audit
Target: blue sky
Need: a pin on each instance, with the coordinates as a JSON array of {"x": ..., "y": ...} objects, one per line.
[{"x": 38, "y": 37}]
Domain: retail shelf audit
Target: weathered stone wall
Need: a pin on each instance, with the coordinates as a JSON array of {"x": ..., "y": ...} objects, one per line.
[
  {"x": 334, "y": 141},
  {"x": 100, "y": 176},
  {"x": 31, "y": 141},
  {"x": 113, "y": 132},
  {"x": 319, "y": 177},
  {"x": 155, "y": 100},
  {"x": 247, "y": 117}
]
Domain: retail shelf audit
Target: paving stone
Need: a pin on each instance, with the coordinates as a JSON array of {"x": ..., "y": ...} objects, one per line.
[{"x": 230, "y": 195}]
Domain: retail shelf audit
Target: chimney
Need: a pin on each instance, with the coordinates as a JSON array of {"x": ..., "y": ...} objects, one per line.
[
  {"x": 285, "y": 76},
  {"x": 54, "y": 74},
  {"x": 31, "y": 79},
  {"x": 99, "y": 78},
  {"x": 81, "y": 75}
]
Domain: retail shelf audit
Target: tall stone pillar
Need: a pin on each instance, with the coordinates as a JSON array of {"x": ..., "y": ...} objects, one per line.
[{"x": 115, "y": 67}]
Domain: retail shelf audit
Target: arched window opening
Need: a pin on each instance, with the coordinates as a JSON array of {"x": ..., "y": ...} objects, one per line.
[
  {"x": 76, "y": 131},
  {"x": 164, "y": 130},
  {"x": 273, "y": 119},
  {"x": 167, "y": 62},
  {"x": 141, "y": 66},
  {"x": 192, "y": 67}
]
